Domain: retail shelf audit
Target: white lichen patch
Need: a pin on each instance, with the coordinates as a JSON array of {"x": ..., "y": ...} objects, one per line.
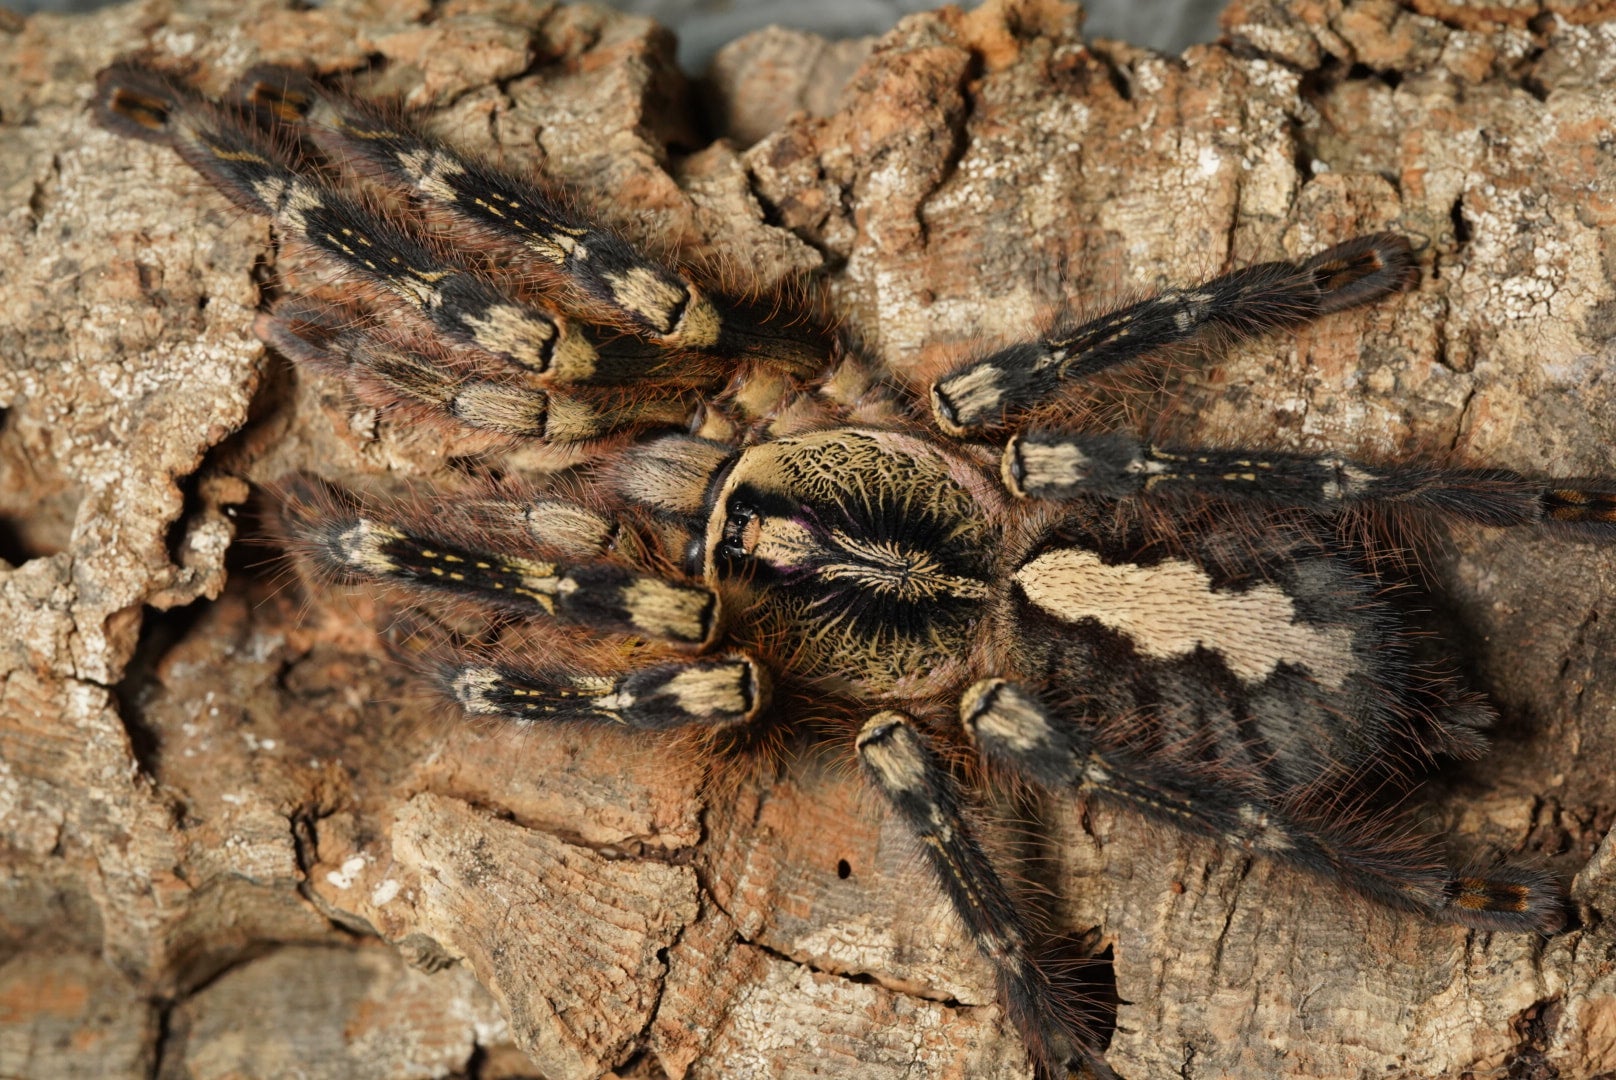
[{"x": 345, "y": 875}]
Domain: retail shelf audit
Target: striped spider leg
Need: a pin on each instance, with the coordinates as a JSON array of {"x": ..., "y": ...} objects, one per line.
[
  {"x": 1117, "y": 465},
  {"x": 1186, "y": 567},
  {"x": 550, "y": 352},
  {"x": 554, "y": 565},
  {"x": 1016, "y": 731},
  {"x": 926, "y": 797},
  {"x": 987, "y": 394}
]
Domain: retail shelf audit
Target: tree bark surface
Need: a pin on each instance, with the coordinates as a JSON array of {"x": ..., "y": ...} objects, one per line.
[{"x": 235, "y": 841}]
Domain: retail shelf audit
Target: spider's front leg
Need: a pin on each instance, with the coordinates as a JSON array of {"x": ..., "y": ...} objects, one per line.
[
  {"x": 611, "y": 282},
  {"x": 1117, "y": 465},
  {"x": 650, "y": 615},
  {"x": 454, "y": 333},
  {"x": 1016, "y": 731},
  {"x": 716, "y": 692},
  {"x": 420, "y": 377},
  {"x": 923, "y": 793},
  {"x": 986, "y": 393},
  {"x": 601, "y": 596}
]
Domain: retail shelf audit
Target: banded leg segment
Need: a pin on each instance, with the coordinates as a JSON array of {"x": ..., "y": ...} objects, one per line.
[
  {"x": 421, "y": 374},
  {"x": 986, "y": 393},
  {"x": 719, "y": 692},
  {"x": 603, "y": 596},
  {"x": 632, "y": 291},
  {"x": 1015, "y": 731},
  {"x": 1117, "y": 465},
  {"x": 251, "y": 169},
  {"x": 903, "y": 768}
]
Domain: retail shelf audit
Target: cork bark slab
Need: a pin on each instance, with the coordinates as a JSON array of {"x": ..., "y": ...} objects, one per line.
[{"x": 227, "y": 823}]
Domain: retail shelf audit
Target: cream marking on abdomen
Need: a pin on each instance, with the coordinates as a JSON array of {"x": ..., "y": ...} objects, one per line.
[{"x": 1169, "y": 609}]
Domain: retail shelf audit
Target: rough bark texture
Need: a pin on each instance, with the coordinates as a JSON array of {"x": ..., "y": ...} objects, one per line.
[{"x": 234, "y": 842}]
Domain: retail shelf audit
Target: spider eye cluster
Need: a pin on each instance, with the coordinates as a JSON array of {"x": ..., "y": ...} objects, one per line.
[{"x": 742, "y": 530}]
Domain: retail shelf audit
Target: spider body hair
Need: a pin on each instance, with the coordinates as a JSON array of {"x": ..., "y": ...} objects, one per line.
[{"x": 764, "y": 536}]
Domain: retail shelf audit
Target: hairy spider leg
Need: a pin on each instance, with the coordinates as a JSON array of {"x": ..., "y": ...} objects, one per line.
[
  {"x": 986, "y": 393},
  {"x": 618, "y": 284},
  {"x": 350, "y": 544},
  {"x": 713, "y": 692},
  {"x": 1015, "y": 731},
  {"x": 418, "y": 371},
  {"x": 393, "y": 262},
  {"x": 1116, "y": 465},
  {"x": 907, "y": 772}
]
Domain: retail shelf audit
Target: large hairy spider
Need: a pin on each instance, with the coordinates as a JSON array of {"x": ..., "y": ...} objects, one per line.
[{"x": 762, "y": 536}]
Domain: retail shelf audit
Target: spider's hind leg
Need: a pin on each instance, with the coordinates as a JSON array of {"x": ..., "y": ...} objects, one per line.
[
  {"x": 908, "y": 773},
  {"x": 1015, "y": 731},
  {"x": 986, "y": 393}
]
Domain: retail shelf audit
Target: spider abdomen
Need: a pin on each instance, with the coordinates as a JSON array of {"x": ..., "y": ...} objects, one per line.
[{"x": 1257, "y": 650}]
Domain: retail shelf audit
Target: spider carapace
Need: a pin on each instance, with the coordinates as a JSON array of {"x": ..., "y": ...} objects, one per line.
[{"x": 769, "y": 531}]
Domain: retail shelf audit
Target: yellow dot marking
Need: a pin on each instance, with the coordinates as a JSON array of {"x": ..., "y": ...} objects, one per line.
[{"x": 238, "y": 155}]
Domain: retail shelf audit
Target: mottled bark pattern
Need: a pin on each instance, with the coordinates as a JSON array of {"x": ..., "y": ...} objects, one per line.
[{"x": 234, "y": 841}]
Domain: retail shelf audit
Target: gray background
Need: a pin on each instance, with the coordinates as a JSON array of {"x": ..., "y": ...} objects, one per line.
[{"x": 704, "y": 25}]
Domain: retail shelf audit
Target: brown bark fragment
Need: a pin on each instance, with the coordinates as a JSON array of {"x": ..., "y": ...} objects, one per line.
[
  {"x": 759, "y": 82},
  {"x": 514, "y": 901},
  {"x": 65, "y": 1015},
  {"x": 212, "y": 786},
  {"x": 730, "y": 1008},
  {"x": 360, "y": 1013}
]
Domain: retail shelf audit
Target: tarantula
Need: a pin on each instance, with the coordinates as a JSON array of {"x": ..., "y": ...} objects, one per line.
[{"x": 769, "y": 534}]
